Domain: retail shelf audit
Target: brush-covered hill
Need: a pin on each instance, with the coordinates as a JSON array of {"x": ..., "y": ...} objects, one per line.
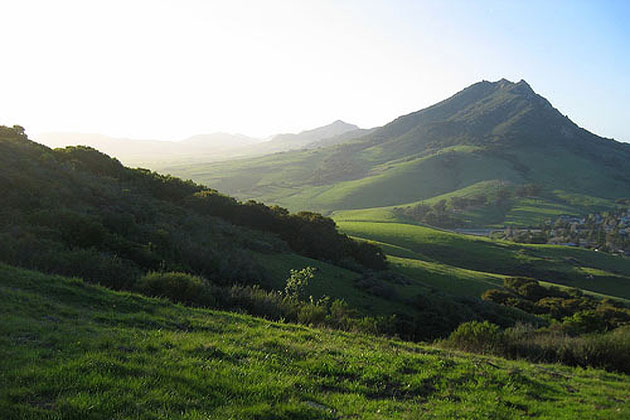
[
  {"x": 77, "y": 211},
  {"x": 77, "y": 351},
  {"x": 495, "y": 152}
]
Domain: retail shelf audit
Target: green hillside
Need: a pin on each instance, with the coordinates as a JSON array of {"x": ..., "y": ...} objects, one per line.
[
  {"x": 490, "y": 260},
  {"x": 488, "y": 141},
  {"x": 72, "y": 350}
]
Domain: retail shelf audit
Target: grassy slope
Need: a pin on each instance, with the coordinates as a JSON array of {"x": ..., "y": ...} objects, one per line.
[
  {"x": 74, "y": 351},
  {"x": 422, "y": 251},
  {"x": 572, "y": 185},
  {"x": 334, "y": 281},
  {"x": 521, "y": 211}
]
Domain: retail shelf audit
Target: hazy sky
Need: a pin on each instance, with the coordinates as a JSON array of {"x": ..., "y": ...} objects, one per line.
[{"x": 170, "y": 69}]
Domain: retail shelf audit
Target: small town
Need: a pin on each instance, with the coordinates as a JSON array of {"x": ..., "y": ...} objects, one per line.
[{"x": 605, "y": 231}]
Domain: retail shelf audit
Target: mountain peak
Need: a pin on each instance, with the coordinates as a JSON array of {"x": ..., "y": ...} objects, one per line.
[
  {"x": 342, "y": 124},
  {"x": 520, "y": 87}
]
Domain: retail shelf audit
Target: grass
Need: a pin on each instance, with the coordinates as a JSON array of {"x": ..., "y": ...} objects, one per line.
[
  {"x": 75, "y": 351},
  {"x": 447, "y": 278},
  {"x": 576, "y": 267},
  {"x": 330, "y": 281},
  {"x": 521, "y": 211}
]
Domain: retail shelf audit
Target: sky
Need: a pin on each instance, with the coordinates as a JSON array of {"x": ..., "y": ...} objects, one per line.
[{"x": 162, "y": 69}]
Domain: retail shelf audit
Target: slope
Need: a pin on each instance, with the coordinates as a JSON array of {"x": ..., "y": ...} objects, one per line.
[
  {"x": 72, "y": 350},
  {"x": 419, "y": 251}
]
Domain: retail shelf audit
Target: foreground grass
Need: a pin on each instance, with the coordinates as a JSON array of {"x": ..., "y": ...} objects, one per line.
[{"x": 70, "y": 350}]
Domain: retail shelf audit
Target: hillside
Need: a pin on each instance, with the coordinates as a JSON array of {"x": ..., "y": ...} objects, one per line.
[
  {"x": 77, "y": 212},
  {"x": 423, "y": 252},
  {"x": 73, "y": 350},
  {"x": 497, "y": 153}
]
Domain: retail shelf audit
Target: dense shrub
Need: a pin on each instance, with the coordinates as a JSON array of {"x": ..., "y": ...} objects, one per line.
[
  {"x": 256, "y": 301},
  {"x": 307, "y": 233},
  {"x": 609, "y": 350},
  {"x": 178, "y": 287},
  {"x": 580, "y": 313},
  {"x": 475, "y": 336}
]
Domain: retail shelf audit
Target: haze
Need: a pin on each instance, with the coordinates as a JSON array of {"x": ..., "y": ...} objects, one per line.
[{"x": 171, "y": 69}]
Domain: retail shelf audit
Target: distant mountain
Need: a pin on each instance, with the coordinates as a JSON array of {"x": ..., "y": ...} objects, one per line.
[
  {"x": 304, "y": 138},
  {"x": 483, "y": 144},
  {"x": 200, "y": 148},
  {"x": 155, "y": 153},
  {"x": 341, "y": 138},
  {"x": 220, "y": 140}
]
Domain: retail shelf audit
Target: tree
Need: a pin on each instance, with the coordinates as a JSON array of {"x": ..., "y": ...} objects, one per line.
[{"x": 298, "y": 282}]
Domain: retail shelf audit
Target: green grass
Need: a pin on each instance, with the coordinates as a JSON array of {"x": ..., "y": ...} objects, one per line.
[
  {"x": 576, "y": 267},
  {"x": 75, "y": 351},
  {"x": 520, "y": 211},
  {"x": 447, "y": 278},
  {"x": 329, "y": 280}
]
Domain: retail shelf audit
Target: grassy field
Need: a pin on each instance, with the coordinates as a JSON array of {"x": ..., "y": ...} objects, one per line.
[
  {"x": 75, "y": 351},
  {"x": 436, "y": 257}
]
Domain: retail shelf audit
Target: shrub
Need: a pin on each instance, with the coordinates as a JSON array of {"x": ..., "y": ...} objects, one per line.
[
  {"x": 312, "y": 313},
  {"x": 496, "y": 296},
  {"x": 259, "y": 302},
  {"x": 178, "y": 287},
  {"x": 610, "y": 350},
  {"x": 584, "y": 322},
  {"x": 475, "y": 336},
  {"x": 527, "y": 288},
  {"x": 374, "y": 283}
]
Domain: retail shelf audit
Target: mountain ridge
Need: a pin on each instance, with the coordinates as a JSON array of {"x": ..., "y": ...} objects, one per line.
[{"x": 214, "y": 146}]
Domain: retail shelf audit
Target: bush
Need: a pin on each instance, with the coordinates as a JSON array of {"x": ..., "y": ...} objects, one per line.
[
  {"x": 475, "y": 336},
  {"x": 312, "y": 313},
  {"x": 584, "y": 322},
  {"x": 610, "y": 351},
  {"x": 178, "y": 287}
]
